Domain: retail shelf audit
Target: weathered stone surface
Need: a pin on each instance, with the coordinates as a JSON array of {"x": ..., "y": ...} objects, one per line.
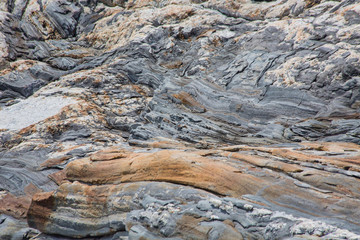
[
  {"x": 11, "y": 229},
  {"x": 299, "y": 189},
  {"x": 30, "y": 111},
  {"x": 108, "y": 206},
  {"x": 17, "y": 206},
  {"x": 232, "y": 89},
  {"x": 169, "y": 166},
  {"x": 167, "y": 211},
  {"x": 290, "y": 69}
]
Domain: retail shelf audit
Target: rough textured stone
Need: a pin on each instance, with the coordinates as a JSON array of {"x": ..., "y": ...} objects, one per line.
[
  {"x": 109, "y": 206},
  {"x": 168, "y": 166},
  {"x": 307, "y": 192},
  {"x": 255, "y": 102},
  {"x": 11, "y": 229}
]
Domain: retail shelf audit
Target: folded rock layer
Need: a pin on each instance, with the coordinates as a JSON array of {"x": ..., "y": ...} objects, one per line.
[
  {"x": 181, "y": 119},
  {"x": 84, "y": 203},
  {"x": 168, "y": 166}
]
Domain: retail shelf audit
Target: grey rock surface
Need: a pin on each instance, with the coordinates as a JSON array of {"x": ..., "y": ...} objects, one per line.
[{"x": 79, "y": 76}]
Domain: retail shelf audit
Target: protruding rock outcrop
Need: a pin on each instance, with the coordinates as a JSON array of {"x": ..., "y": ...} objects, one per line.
[{"x": 106, "y": 192}]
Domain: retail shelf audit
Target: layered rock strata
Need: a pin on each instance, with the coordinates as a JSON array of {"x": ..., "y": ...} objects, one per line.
[
  {"x": 106, "y": 193},
  {"x": 179, "y": 119},
  {"x": 279, "y": 70}
]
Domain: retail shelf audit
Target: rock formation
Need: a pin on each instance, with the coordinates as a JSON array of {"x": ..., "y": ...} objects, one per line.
[{"x": 181, "y": 119}]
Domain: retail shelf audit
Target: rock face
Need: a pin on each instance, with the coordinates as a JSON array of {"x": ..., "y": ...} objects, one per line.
[
  {"x": 182, "y": 119},
  {"x": 106, "y": 193}
]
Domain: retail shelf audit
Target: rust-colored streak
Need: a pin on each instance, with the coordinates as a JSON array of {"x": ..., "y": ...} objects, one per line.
[
  {"x": 40, "y": 210},
  {"x": 189, "y": 101},
  {"x": 169, "y": 166}
]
